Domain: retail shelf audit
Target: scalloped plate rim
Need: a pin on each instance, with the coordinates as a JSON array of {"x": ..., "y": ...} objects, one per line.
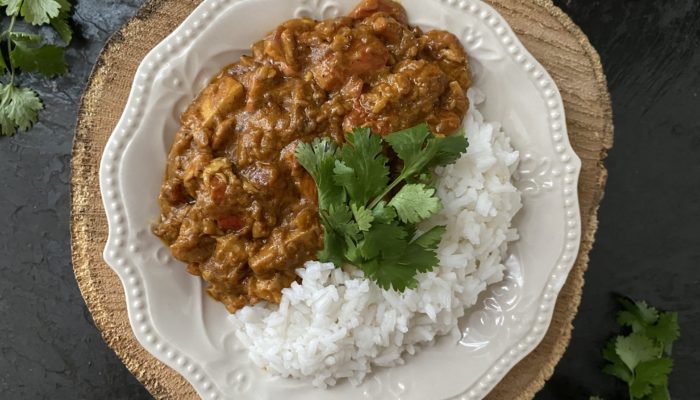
[{"x": 487, "y": 381}]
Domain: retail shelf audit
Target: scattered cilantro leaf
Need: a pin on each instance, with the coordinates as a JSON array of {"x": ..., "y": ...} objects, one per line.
[
  {"x": 640, "y": 356},
  {"x": 47, "y": 60},
  {"x": 649, "y": 374},
  {"x": 618, "y": 371},
  {"x": 665, "y": 331},
  {"x": 25, "y": 39},
  {"x": 40, "y": 12},
  {"x": 60, "y": 22},
  {"x": 12, "y": 6},
  {"x": 18, "y": 108},
  {"x": 609, "y": 352},
  {"x": 26, "y": 51},
  {"x": 416, "y": 202},
  {"x": 636, "y": 315},
  {"x": 659, "y": 393},
  {"x": 369, "y": 221},
  {"x": 617, "y": 367},
  {"x": 634, "y": 349}
]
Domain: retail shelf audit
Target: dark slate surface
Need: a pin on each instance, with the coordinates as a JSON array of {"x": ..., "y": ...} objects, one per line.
[{"x": 648, "y": 244}]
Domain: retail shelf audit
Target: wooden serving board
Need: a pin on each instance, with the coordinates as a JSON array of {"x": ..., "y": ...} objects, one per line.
[{"x": 544, "y": 29}]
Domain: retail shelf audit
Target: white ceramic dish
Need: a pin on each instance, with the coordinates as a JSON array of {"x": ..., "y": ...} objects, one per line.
[{"x": 175, "y": 321}]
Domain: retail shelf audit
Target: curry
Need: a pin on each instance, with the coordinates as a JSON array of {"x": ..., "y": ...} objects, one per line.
[{"x": 236, "y": 205}]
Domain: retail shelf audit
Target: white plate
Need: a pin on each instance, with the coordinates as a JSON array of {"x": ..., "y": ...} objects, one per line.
[{"x": 173, "y": 318}]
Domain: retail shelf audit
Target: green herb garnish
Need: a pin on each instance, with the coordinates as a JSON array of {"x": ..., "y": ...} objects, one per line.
[
  {"x": 642, "y": 357},
  {"x": 369, "y": 218},
  {"x": 24, "y": 51}
]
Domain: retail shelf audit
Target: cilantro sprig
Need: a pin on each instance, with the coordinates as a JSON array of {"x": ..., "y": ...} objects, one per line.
[
  {"x": 27, "y": 52},
  {"x": 641, "y": 356},
  {"x": 369, "y": 216}
]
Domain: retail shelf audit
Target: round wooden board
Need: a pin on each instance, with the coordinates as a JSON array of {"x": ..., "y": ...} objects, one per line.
[{"x": 544, "y": 29}]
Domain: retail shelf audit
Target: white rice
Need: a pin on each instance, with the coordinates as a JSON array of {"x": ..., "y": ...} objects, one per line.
[{"x": 336, "y": 324}]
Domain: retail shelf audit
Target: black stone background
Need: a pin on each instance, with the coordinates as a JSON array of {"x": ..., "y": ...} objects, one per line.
[{"x": 648, "y": 245}]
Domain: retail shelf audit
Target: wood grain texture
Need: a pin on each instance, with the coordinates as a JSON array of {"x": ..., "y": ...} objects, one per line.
[{"x": 547, "y": 33}]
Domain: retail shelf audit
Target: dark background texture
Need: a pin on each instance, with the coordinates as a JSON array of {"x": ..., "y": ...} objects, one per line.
[{"x": 648, "y": 244}]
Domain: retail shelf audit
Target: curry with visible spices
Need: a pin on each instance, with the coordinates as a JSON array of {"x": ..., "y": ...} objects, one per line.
[{"x": 236, "y": 205}]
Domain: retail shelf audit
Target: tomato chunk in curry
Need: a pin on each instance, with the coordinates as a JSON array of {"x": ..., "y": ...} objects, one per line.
[{"x": 236, "y": 206}]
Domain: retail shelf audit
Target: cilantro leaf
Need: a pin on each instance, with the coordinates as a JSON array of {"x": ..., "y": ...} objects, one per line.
[
  {"x": 310, "y": 156},
  {"x": 665, "y": 331},
  {"x": 361, "y": 226},
  {"x": 609, "y": 352},
  {"x": 431, "y": 239},
  {"x": 415, "y": 202},
  {"x": 636, "y": 315},
  {"x": 388, "y": 240},
  {"x": 617, "y": 367},
  {"x": 29, "y": 55},
  {"x": 383, "y": 213},
  {"x": 418, "y": 258},
  {"x": 40, "y": 12},
  {"x": 363, "y": 217},
  {"x": 659, "y": 393},
  {"x": 60, "y": 22},
  {"x": 12, "y": 7},
  {"x": 352, "y": 253},
  {"x": 638, "y": 358},
  {"x": 649, "y": 374},
  {"x": 339, "y": 219},
  {"x": 400, "y": 274},
  {"x": 410, "y": 146},
  {"x": 449, "y": 149},
  {"x": 333, "y": 248},
  {"x": 627, "y": 318},
  {"x": 19, "y": 108},
  {"x": 362, "y": 169},
  {"x": 339, "y": 228},
  {"x": 25, "y": 39},
  {"x": 389, "y": 275},
  {"x": 619, "y": 371},
  {"x": 641, "y": 318},
  {"x": 634, "y": 349},
  {"x": 318, "y": 158},
  {"x": 419, "y": 149},
  {"x": 408, "y": 143},
  {"x": 47, "y": 60}
]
